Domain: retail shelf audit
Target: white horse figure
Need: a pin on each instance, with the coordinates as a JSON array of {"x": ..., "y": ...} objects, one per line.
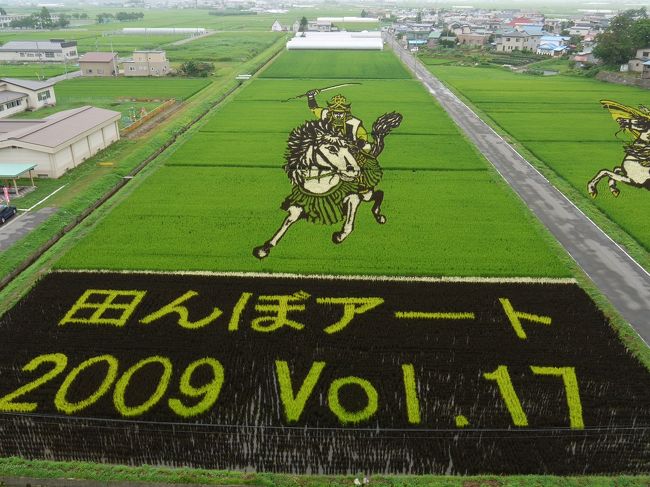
[
  {"x": 330, "y": 177},
  {"x": 635, "y": 169}
]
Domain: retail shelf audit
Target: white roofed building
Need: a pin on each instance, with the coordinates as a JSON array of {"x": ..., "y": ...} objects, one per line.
[
  {"x": 54, "y": 50},
  {"x": 59, "y": 142},
  {"x": 19, "y": 95},
  {"x": 368, "y": 41}
]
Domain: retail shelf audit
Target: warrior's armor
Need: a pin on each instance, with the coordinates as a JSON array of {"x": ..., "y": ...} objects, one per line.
[{"x": 339, "y": 115}]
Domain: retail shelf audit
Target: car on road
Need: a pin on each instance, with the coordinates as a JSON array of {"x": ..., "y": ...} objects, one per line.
[{"x": 6, "y": 212}]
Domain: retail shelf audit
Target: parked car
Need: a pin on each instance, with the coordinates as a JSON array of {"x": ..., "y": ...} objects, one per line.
[{"x": 6, "y": 212}]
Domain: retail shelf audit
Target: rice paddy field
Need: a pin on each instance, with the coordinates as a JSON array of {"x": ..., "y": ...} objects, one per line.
[
  {"x": 120, "y": 94},
  {"x": 32, "y": 71},
  {"x": 560, "y": 120},
  {"x": 237, "y": 155},
  {"x": 478, "y": 350}
]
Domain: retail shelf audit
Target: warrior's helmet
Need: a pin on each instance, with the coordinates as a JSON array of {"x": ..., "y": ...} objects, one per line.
[{"x": 338, "y": 111}]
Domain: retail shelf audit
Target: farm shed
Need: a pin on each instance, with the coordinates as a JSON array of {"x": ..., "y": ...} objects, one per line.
[
  {"x": 54, "y": 50},
  {"x": 337, "y": 40},
  {"x": 59, "y": 142},
  {"x": 15, "y": 171},
  {"x": 18, "y": 95},
  {"x": 98, "y": 64}
]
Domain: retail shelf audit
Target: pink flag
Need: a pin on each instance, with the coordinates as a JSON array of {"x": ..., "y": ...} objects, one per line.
[{"x": 6, "y": 191}]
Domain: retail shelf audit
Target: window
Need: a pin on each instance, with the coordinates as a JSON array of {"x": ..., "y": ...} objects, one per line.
[
  {"x": 646, "y": 53},
  {"x": 90, "y": 71},
  {"x": 22, "y": 54},
  {"x": 131, "y": 68},
  {"x": 44, "y": 95},
  {"x": 49, "y": 54}
]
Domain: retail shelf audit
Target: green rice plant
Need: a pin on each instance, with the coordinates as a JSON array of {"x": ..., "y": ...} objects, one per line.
[
  {"x": 561, "y": 121},
  {"x": 33, "y": 71},
  {"x": 223, "y": 47},
  {"x": 337, "y": 65},
  {"x": 211, "y": 218}
]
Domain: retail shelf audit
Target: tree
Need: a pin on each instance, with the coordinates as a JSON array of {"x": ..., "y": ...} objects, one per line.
[
  {"x": 63, "y": 21},
  {"x": 303, "y": 24},
  {"x": 3, "y": 11},
  {"x": 196, "y": 69},
  {"x": 83, "y": 16},
  {"x": 45, "y": 18},
  {"x": 364, "y": 13},
  {"x": 620, "y": 41}
]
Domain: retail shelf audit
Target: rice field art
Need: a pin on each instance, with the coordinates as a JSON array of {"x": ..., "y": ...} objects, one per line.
[
  {"x": 635, "y": 168},
  {"x": 333, "y": 167},
  {"x": 290, "y": 373},
  {"x": 451, "y": 339}
]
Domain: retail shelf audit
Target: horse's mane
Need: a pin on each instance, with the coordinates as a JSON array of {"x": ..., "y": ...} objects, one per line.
[{"x": 302, "y": 141}]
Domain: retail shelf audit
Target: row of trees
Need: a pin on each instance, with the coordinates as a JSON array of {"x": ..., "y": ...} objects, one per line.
[
  {"x": 105, "y": 18},
  {"x": 41, "y": 20},
  {"x": 627, "y": 32}
]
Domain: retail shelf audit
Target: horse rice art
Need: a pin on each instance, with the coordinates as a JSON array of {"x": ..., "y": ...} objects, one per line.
[
  {"x": 333, "y": 167},
  {"x": 635, "y": 169}
]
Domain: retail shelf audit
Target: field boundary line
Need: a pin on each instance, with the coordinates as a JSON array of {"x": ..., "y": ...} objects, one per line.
[
  {"x": 349, "y": 277},
  {"x": 48, "y": 196}
]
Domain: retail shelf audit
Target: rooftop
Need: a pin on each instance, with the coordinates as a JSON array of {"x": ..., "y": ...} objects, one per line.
[
  {"x": 56, "y": 129},
  {"x": 7, "y": 96},
  {"x": 29, "y": 84},
  {"x": 97, "y": 57}
]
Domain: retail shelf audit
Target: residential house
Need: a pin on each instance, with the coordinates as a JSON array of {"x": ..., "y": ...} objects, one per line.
[
  {"x": 636, "y": 64},
  {"x": 554, "y": 46},
  {"x": 59, "y": 142},
  {"x": 472, "y": 38},
  {"x": 147, "y": 63},
  {"x": 434, "y": 38},
  {"x": 19, "y": 95},
  {"x": 54, "y": 50},
  {"x": 277, "y": 27},
  {"x": 98, "y": 64},
  {"x": 512, "y": 41}
]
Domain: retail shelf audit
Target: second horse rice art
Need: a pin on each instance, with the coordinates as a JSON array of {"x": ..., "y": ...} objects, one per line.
[{"x": 332, "y": 163}]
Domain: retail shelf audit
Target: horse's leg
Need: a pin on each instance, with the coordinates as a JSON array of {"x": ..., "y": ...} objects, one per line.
[
  {"x": 351, "y": 203},
  {"x": 295, "y": 212},
  {"x": 612, "y": 182},
  {"x": 591, "y": 186},
  {"x": 377, "y": 197}
]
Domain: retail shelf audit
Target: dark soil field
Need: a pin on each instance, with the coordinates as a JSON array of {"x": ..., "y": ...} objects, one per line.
[{"x": 325, "y": 375}]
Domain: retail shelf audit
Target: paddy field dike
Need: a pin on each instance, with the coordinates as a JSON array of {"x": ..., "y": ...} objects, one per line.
[{"x": 451, "y": 339}]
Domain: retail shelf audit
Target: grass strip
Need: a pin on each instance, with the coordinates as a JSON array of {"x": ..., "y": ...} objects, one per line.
[{"x": 40, "y": 469}]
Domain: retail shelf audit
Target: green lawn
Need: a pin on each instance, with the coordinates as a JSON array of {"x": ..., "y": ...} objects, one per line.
[
  {"x": 560, "y": 120},
  {"x": 218, "y": 196}
]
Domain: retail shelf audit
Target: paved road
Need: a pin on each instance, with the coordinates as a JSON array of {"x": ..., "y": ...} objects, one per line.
[
  {"x": 624, "y": 282},
  {"x": 21, "y": 224},
  {"x": 69, "y": 75}
]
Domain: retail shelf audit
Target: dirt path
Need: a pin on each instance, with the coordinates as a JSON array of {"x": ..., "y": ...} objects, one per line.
[{"x": 154, "y": 121}]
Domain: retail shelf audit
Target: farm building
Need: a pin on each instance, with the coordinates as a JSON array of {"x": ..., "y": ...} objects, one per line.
[
  {"x": 147, "y": 63},
  {"x": 54, "y": 50},
  {"x": 277, "y": 27},
  {"x": 19, "y": 95},
  {"x": 59, "y": 142},
  {"x": 337, "y": 40},
  {"x": 98, "y": 64}
]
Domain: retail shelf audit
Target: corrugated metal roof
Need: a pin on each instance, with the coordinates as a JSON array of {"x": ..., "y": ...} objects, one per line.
[
  {"x": 29, "y": 84},
  {"x": 97, "y": 57},
  {"x": 31, "y": 46},
  {"x": 7, "y": 96},
  {"x": 61, "y": 127}
]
